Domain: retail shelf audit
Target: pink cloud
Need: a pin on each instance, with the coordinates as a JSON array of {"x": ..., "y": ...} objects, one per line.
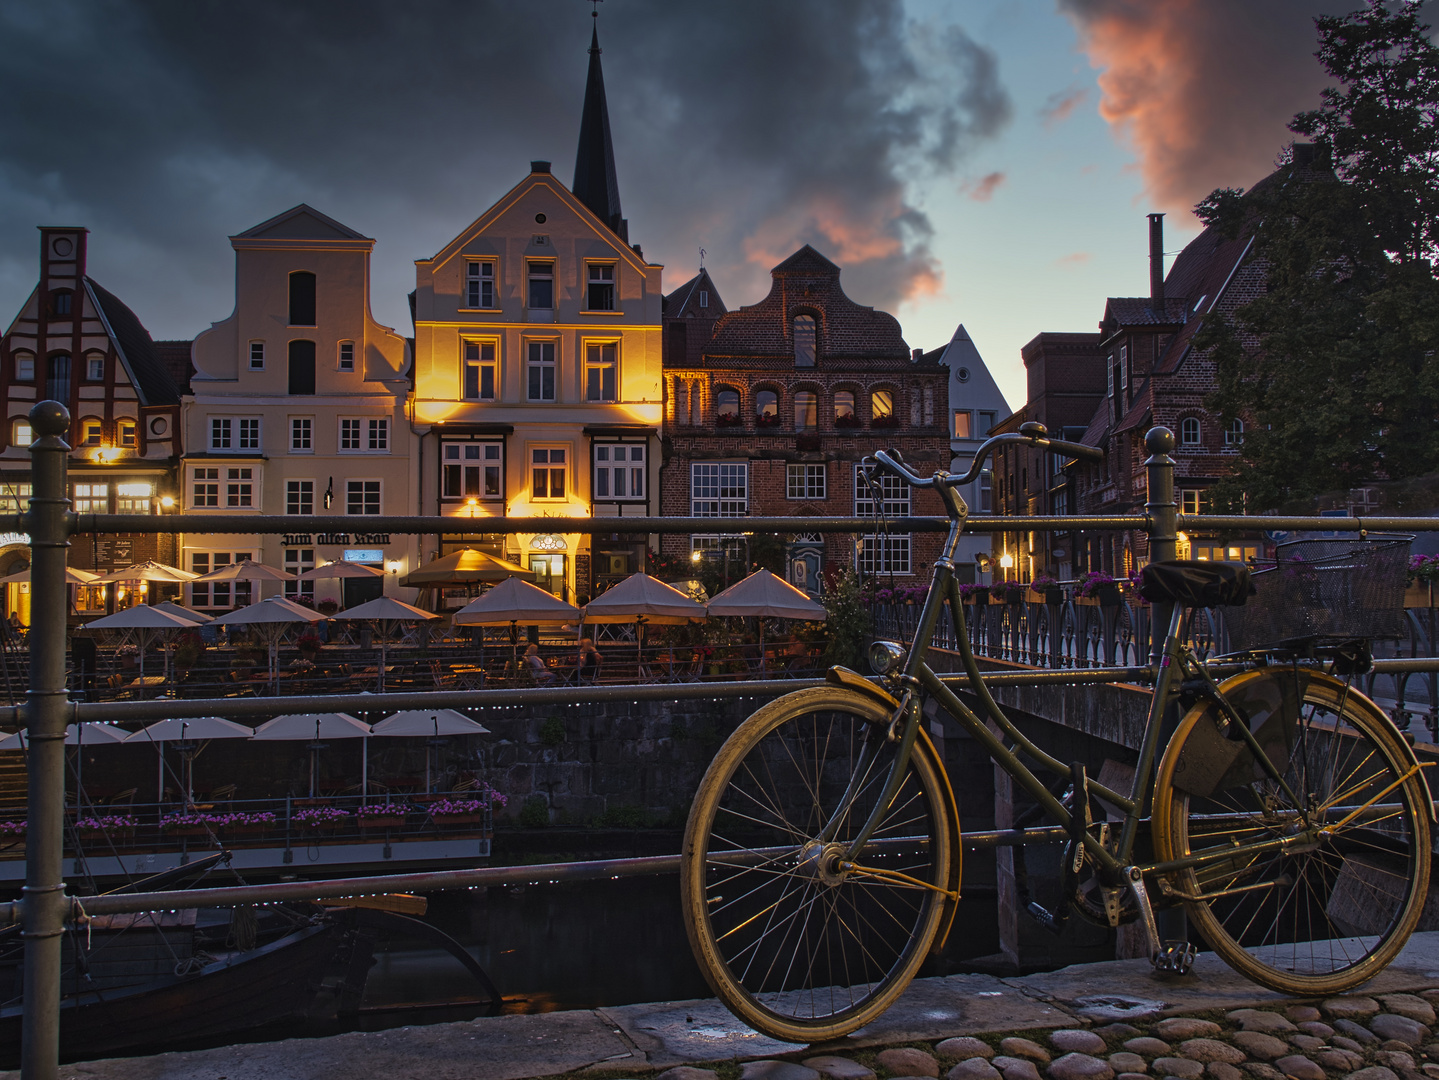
[
  {"x": 983, "y": 189},
  {"x": 1074, "y": 260},
  {"x": 1060, "y": 105}
]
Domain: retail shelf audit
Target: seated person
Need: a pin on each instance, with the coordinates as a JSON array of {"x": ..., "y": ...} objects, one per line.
[
  {"x": 535, "y": 666},
  {"x": 589, "y": 662}
]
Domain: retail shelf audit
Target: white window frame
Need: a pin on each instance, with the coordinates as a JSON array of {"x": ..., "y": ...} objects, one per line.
[
  {"x": 352, "y": 435},
  {"x": 550, "y": 466},
  {"x": 227, "y": 434},
  {"x": 241, "y": 487},
  {"x": 24, "y": 367},
  {"x": 21, "y": 433},
  {"x": 94, "y": 367},
  {"x": 92, "y": 432},
  {"x": 297, "y": 562},
  {"x": 719, "y": 489},
  {"x": 91, "y": 498},
  {"x": 208, "y": 497},
  {"x": 1234, "y": 434},
  {"x": 1189, "y": 500},
  {"x": 299, "y": 497},
  {"x": 15, "y": 498},
  {"x": 536, "y": 361},
  {"x": 302, "y": 434},
  {"x": 806, "y": 481},
  {"x": 615, "y": 482},
  {"x": 365, "y": 487},
  {"x": 257, "y": 356},
  {"x": 1188, "y": 424},
  {"x": 484, "y": 360},
  {"x": 345, "y": 356},
  {"x": 595, "y": 275},
  {"x": 247, "y": 434},
  {"x": 134, "y": 497},
  {"x": 466, "y": 468},
  {"x": 480, "y": 284},
  {"x": 1124, "y": 367},
  {"x": 377, "y": 435},
  {"x": 878, "y": 553},
  {"x": 539, "y": 270},
  {"x": 127, "y": 433},
  {"x": 218, "y": 594},
  {"x": 602, "y": 358}
]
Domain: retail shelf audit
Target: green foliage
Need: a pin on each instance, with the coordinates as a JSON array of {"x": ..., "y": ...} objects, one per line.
[
  {"x": 849, "y": 623},
  {"x": 535, "y": 814},
  {"x": 552, "y": 731},
  {"x": 1332, "y": 368}
]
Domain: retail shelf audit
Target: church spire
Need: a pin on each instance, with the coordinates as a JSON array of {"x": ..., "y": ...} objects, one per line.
[{"x": 595, "y": 183}]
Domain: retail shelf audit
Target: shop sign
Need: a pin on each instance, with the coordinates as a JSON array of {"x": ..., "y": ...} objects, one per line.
[{"x": 337, "y": 539}]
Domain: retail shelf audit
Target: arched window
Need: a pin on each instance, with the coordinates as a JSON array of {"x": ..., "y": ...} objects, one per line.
[
  {"x": 1189, "y": 431},
  {"x": 727, "y": 406},
  {"x": 881, "y": 408},
  {"x": 804, "y": 341},
  {"x": 806, "y": 411},
  {"x": 766, "y": 408},
  {"x": 60, "y": 302},
  {"x": 302, "y": 298},
  {"x": 92, "y": 431},
  {"x": 21, "y": 433},
  {"x": 57, "y": 377},
  {"x": 844, "y": 413},
  {"x": 24, "y": 367},
  {"x": 1234, "y": 432},
  {"x": 682, "y": 402}
]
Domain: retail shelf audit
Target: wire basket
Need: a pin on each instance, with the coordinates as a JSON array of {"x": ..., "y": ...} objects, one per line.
[{"x": 1348, "y": 588}]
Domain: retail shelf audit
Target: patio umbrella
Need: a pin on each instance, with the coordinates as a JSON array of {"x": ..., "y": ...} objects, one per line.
[
  {"x": 187, "y": 732},
  {"x": 72, "y": 577},
  {"x": 765, "y": 596},
  {"x": 463, "y": 567},
  {"x": 387, "y": 613},
  {"x": 270, "y": 619},
  {"x": 340, "y": 569},
  {"x": 147, "y": 571},
  {"x": 149, "y": 621},
  {"x": 91, "y": 733},
  {"x": 641, "y": 599},
  {"x": 513, "y": 602},
  {"x": 297, "y": 727},
  {"x": 436, "y": 724},
  {"x": 199, "y": 618},
  {"x": 246, "y": 570}
]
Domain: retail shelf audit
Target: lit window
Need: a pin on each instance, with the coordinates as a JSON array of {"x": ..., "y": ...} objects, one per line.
[
  {"x": 92, "y": 498},
  {"x": 299, "y": 496},
  {"x": 806, "y": 411},
  {"x": 547, "y": 473},
  {"x": 470, "y": 470},
  {"x": 24, "y": 367},
  {"x": 1189, "y": 431},
  {"x": 804, "y": 343},
  {"x": 542, "y": 285},
  {"x": 347, "y": 356},
  {"x": 257, "y": 356},
  {"x": 95, "y": 367},
  {"x": 887, "y": 496},
  {"x": 804, "y": 481},
  {"x": 719, "y": 489},
  {"x": 601, "y": 371},
  {"x": 128, "y": 436},
  {"x": 133, "y": 498},
  {"x": 961, "y": 424},
  {"x": 15, "y": 498},
  {"x": 206, "y": 487},
  {"x": 881, "y": 405},
  {"x": 239, "y": 487},
  {"x": 1234, "y": 432},
  {"x": 480, "y": 285},
  {"x": 362, "y": 497},
  {"x": 479, "y": 376},
  {"x": 302, "y": 434},
  {"x": 378, "y": 436},
  {"x": 91, "y": 433},
  {"x": 600, "y": 295},
  {"x": 24, "y": 435},
  {"x": 541, "y": 371},
  {"x": 1189, "y": 501},
  {"x": 349, "y": 434},
  {"x": 619, "y": 471}
]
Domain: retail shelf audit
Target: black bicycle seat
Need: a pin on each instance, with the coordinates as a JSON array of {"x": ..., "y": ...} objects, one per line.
[{"x": 1196, "y": 583}]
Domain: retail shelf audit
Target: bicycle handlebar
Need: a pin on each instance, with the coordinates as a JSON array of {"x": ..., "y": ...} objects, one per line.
[{"x": 1031, "y": 434}]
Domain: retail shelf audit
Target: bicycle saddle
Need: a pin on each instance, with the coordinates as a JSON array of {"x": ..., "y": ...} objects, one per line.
[{"x": 1196, "y": 583}]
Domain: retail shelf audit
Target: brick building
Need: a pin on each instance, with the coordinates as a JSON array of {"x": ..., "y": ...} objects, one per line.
[{"x": 775, "y": 413}]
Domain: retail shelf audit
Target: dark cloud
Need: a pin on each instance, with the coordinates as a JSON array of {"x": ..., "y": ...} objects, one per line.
[
  {"x": 747, "y": 128},
  {"x": 1203, "y": 89}
]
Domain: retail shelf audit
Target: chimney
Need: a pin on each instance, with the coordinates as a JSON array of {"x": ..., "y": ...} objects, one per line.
[
  {"x": 1156, "y": 265},
  {"x": 539, "y": 167}
]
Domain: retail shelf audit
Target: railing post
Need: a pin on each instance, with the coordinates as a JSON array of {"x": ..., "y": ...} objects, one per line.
[
  {"x": 45, "y": 712},
  {"x": 1163, "y": 514}
]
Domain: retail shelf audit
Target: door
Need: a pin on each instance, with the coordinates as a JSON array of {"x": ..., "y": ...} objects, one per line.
[{"x": 549, "y": 571}]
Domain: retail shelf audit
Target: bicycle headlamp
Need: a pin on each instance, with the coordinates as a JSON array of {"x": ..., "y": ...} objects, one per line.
[{"x": 885, "y": 656}]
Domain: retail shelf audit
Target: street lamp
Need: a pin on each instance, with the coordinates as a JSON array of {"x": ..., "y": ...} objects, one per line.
[{"x": 1006, "y": 561}]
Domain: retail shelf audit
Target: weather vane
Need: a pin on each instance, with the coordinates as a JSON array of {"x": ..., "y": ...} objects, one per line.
[{"x": 595, "y": 8}]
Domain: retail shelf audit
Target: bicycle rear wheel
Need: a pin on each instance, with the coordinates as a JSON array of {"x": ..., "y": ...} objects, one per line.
[
  {"x": 1312, "y": 918},
  {"x": 796, "y": 946}
]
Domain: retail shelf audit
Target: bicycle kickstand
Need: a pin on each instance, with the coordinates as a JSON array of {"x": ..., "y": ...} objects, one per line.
[{"x": 1167, "y": 958}]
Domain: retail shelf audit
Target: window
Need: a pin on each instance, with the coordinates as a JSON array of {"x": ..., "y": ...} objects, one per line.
[
  {"x": 257, "y": 356},
  {"x": 221, "y": 432},
  {"x": 377, "y": 436},
  {"x": 22, "y": 433},
  {"x": 542, "y": 285},
  {"x": 479, "y": 375},
  {"x": 302, "y": 299},
  {"x": 235, "y": 433},
  {"x": 95, "y": 367},
  {"x": 844, "y": 408},
  {"x": 350, "y": 434},
  {"x": 1109, "y": 382},
  {"x": 92, "y": 499},
  {"x": 60, "y": 301},
  {"x": 346, "y": 361},
  {"x": 619, "y": 471},
  {"x": 986, "y": 421},
  {"x": 302, "y": 367},
  {"x": 297, "y": 562},
  {"x": 547, "y": 473},
  {"x": 471, "y": 470},
  {"x": 727, "y": 406},
  {"x": 1189, "y": 500},
  {"x": 601, "y": 371},
  {"x": 91, "y": 432},
  {"x": 986, "y": 491},
  {"x": 206, "y": 489},
  {"x": 766, "y": 407},
  {"x": 887, "y": 495},
  {"x": 704, "y": 298},
  {"x": 719, "y": 490},
  {"x": 302, "y": 431},
  {"x": 1189, "y": 431},
  {"x": 804, "y": 481},
  {"x": 24, "y": 367},
  {"x": 1234, "y": 432},
  {"x": 600, "y": 295},
  {"x": 881, "y": 405},
  {"x": 133, "y": 498},
  {"x": 299, "y": 496},
  {"x": 57, "y": 377},
  {"x": 217, "y": 594},
  {"x": 249, "y": 433},
  {"x": 15, "y": 498},
  {"x": 541, "y": 371},
  {"x": 962, "y": 418},
  {"x": 128, "y": 435},
  {"x": 362, "y": 497},
  {"x": 806, "y": 411},
  {"x": 804, "y": 347},
  {"x": 239, "y": 487},
  {"x": 480, "y": 284}
]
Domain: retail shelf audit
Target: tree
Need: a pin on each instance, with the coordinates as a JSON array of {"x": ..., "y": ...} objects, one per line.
[{"x": 1333, "y": 367}]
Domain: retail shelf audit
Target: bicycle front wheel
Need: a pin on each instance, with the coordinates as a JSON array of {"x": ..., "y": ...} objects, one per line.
[
  {"x": 797, "y": 945},
  {"x": 1336, "y": 893}
]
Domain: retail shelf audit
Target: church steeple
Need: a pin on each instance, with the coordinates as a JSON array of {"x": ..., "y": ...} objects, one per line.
[{"x": 595, "y": 183}]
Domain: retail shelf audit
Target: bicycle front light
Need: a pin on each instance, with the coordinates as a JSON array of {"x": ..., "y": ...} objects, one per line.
[{"x": 885, "y": 656}]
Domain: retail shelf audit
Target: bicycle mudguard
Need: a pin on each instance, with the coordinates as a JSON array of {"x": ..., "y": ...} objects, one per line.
[
  {"x": 925, "y": 745},
  {"x": 852, "y": 680},
  {"x": 1213, "y": 760}
]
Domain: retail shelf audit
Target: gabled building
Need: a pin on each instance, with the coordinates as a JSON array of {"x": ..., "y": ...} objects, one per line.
[
  {"x": 297, "y": 406},
  {"x": 690, "y": 315},
  {"x": 776, "y": 413},
  {"x": 537, "y": 375},
  {"x": 75, "y": 342},
  {"x": 976, "y": 406}
]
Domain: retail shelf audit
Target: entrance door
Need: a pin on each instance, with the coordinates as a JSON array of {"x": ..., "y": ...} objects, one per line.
[
  {"x": 362, "y": 590},
  {"x": 549, "y": 571}
]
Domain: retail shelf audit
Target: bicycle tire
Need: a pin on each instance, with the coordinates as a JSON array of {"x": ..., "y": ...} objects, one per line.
[
  {"x": 1321, "y": 919},
  {"x": 799, "y": 955}
]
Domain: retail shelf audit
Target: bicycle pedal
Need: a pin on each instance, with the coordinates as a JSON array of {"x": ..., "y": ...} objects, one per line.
[
  {"x": 1053, "y": 923},
  {"x": 1174, "y": 958}
]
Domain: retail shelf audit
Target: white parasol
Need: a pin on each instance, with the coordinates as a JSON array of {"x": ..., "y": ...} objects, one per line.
[
  {"x": 386, "y": 612},
  {"x": 316, "y": 727},
  {"x": 765, "y": 596},
  {"x": 434, "y": 724},
  {"x": 186, "y": 732}
]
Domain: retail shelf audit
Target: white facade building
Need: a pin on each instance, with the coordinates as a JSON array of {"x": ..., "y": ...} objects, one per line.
[{"x": 975, "y": 406}]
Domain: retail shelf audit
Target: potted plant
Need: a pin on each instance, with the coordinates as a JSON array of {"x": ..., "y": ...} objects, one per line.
[
  {"x": 1044, "y": 589},
  {"x": 385, "y": 815},
  {"x": 881, "y": 422},
  {"x": 189, "y": 647},
  {"x": 1423, "y": 573},
  {"x": 12, "y": 830},
  {"x": 974, "y": 594},
  {"x": 309, "y": 643},
  {"x": 328, "y": 606},
  {"x": 1097, "y": 589},
  {"x": 185, "y": 823},
  {"x": 728, "y": 420},
  {"x": 767, "y": 420},
  {"x": 320, "y": 818},
  {"x": 847, "y": 420},
  {"x": 106, "y": 826},
  {"x": 247, "y": 823}
]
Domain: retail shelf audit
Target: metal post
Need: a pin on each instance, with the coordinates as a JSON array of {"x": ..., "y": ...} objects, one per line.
[
  {"x": 45, "y": 713},
  {"x": 1163, "y": 514}
]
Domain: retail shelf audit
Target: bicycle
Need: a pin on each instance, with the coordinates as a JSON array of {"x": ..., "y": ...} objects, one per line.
[{"x": 1288, "y": 816}]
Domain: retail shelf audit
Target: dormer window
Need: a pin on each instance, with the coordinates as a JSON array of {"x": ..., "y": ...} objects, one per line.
[{"x": 804, "y": 341}]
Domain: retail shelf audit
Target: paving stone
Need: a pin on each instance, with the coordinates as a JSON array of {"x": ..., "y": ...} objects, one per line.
[
  {"x": 1307, "y": 1043},
  {"x": 1429, "y": 995},
  {"x": 1260, "y": 1020},
  {"x": 1147, "y": 1045},
  {"x": 1358, "y": 1032},
  {"x": 1073, "y": 1039},
  {"x": 1262, "y": 1070},
  {"x": 1430, "y": 1069},
  {"x": 830, "y": 1066},
  {"x": 777, "y": 1070},
  {"x": 1222, "y": 1070},
  {"x": 1077, "y": 1066},
  {"x": 1315, "y": 1027},
  {"x": 1339, "y": 1060},
  {"x": 1207, "y": 1050},
  {"x": 1183, "y": 1068},
  {"x": 1302, "y": 1014},
  {"x": 689, "y": 1072},
  {"x": 1186, "y": 1027},
  {"x": 1015, "y": 1068},
  {"x": 1393, "y": 1026},
  {"x": 1299, "y": 1067},
  {"x": 1395, "y": 1059},
  {"x": 907, "y": 1061},
  {"x": 1117, "y": 1032},
  {"x": 1410, "y": 1005},
  {"x": 1374, "y": 1072},
  {"x": 1132, "y": 1076},
  {"x": 1261, "y": 1045},
  {"x": 1126, "y": 1061},
  {"x": 1344, "y": 1042},
  {"x": 1396, "y": 1044},
  {"x": 1349, "y": 1008},
  {"x": 975, "y": 1068},
  {"x": 965, "y": 1046},
  {"x": 1015, "y": 1046}
]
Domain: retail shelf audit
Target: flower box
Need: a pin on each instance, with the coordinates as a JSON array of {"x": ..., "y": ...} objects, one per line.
[
  {"x": 1105, "y": 595},
  {"x": 1419, "y": 595},
  {"x": 1049, "y": 594},
  {"x": 977, "y": 596},
  {"x": 381, "y": 821},
  {"x": 458, "y": 819}
]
